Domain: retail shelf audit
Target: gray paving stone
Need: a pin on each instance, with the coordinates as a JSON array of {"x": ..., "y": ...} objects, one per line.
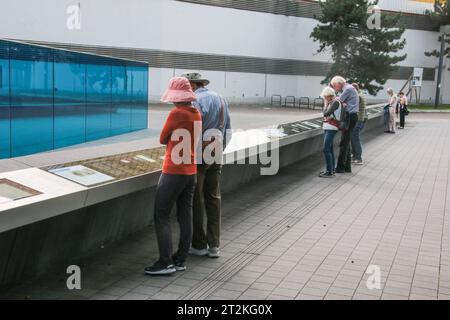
[
  {"x": 134, "y": 296},
  {"x": 146, "y": 290},
  {"x": 104, "y": 297},
  {"x": 291, "y": 293},
  {"x": 252, "y": 294},
  {"x": 115, "y": 291},
  {"x": 165, "y": 296}
]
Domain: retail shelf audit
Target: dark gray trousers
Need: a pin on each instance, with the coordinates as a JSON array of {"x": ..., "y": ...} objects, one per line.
[
  {"x": 207, "y": 203},
  {"x": 179, "y": 190}
]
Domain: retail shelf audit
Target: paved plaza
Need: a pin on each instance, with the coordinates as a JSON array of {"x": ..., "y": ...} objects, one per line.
[{"x": 296, "y": 236}]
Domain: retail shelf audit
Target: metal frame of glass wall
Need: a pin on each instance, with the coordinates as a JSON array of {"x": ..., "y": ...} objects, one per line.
[{"x": 51, "y": 98}]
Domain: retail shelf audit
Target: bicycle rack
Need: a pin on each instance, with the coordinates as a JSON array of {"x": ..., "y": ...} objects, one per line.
[
  {"x": 320, "y": 104},
  {"x": 302, "y": 100},
  {"x": 289, "y": 101},
  {"x": 278, "y": 101}
]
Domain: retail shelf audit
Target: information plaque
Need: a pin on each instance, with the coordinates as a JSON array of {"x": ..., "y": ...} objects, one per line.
[
  {"x": 114, "y": 167},
  {"x": 82, "y": 175},
  {"x": 11, "y": 191}
]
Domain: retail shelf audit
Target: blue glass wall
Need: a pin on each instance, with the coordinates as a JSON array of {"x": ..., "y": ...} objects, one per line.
[
  {"x": 52, "y": 98},
  {"x": 5, "y": 110}
]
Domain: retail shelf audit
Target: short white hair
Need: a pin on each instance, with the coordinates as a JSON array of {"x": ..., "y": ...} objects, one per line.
[
  {"x": 328, "y": 92},
  {"x": 390, "y": 90},
  {"x": 338, "y": 80}
]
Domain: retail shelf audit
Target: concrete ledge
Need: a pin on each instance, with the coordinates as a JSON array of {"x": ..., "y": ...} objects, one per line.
[
  {"x": 428, "y": 111},
  {"x": 40, "y": 237}
]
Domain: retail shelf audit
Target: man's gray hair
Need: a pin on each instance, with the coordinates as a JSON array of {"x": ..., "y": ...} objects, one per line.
[
  {"x": 390, "y": 90},
  {"x": 338, "y": 80}
]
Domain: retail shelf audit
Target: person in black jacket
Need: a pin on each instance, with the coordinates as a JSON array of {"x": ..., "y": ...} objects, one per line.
[{"x": 403, "y": 108}]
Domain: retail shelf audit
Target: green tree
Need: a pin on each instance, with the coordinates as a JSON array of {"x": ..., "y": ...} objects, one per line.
[
  {"x": 440, "y": 17},
  {"x": 360, "y": 53}
]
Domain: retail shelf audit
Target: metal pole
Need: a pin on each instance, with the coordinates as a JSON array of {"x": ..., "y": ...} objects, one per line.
[{"x": 439, "y": 78}]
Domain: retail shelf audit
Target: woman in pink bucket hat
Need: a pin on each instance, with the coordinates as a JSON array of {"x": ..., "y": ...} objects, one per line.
[{"x": 178, "y": 179}]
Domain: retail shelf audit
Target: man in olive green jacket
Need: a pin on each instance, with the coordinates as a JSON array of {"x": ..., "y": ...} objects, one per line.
[{"x": 356, "y": 134}]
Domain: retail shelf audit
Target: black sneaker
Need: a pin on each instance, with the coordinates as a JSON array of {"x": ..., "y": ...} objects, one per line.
[
  {"x": 179, "y": 266},
  {"x": 160, "y": 269},
  {"x": 326, "y": 174},
  {"x": 339, "y": 170}
]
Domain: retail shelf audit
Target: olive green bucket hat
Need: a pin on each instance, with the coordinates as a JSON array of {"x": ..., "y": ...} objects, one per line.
[{"x": 195, "y": 77}]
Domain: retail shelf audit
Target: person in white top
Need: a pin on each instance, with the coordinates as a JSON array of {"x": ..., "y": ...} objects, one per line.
[
  {"x": 331, "y": 124},
  {"x": 392, "y": 103}
]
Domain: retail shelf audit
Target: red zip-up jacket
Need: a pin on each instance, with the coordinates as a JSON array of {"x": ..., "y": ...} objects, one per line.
[{"x": 181, "y": 117}]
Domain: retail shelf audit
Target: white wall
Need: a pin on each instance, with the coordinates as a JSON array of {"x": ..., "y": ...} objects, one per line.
[
  {"x": 166, "y": 25},
  {"x": 161, "y": 24},
  {"x": 410, "y": 6}
]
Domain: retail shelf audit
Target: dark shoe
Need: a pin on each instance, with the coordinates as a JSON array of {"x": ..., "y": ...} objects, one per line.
[
  {"x": 348, "y": 170},
  {"x": 326, "y": 174},
  {"x": 339, "y": 170},
  {"x": 160, "y": 269},
  {"x": 178, "y": 264},
  {"x": 358, "y": 162},
  {"x": 393, "y": 132}
]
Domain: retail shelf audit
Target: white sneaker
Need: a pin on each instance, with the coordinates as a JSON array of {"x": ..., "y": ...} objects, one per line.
[
  {"x": 214, "y": 252},
  {"x": 198, "y": 252}
]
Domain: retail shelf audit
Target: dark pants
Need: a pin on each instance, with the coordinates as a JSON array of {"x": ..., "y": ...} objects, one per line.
[
  {"x": 207, "y": 203},
  {"x": 356, "y": 140},
  {"x": 402, "y": 117},
  {"x": 328, "y": 149},
  {"x": 386, "y": 118},
  {"x": 173, "y": 189},
  {"x": 345, "y": 158}
]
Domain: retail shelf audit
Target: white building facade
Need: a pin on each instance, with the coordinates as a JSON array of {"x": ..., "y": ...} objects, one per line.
[{"x": 250, "y": 50}]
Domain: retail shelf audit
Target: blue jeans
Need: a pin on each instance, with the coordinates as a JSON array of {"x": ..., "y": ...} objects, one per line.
[
  {"x": 328, "y": 149},
  {"x": 356, "y": 140}
]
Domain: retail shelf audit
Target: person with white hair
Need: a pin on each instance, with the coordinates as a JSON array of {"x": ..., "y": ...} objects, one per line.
[
  {"x": 331, "y": 125},
  {"x": 349, "y": 99},
  {"x": 390, "y": 111}
]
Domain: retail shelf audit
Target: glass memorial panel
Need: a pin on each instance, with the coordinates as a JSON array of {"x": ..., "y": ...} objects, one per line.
[
  {"x": 5, "y": 117},
  {"x": 70, "y": 101},
  {"x": 121, "y": 101},
  {"x": 31, "y": 74},
  {"x": 139, "y": 88}
]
